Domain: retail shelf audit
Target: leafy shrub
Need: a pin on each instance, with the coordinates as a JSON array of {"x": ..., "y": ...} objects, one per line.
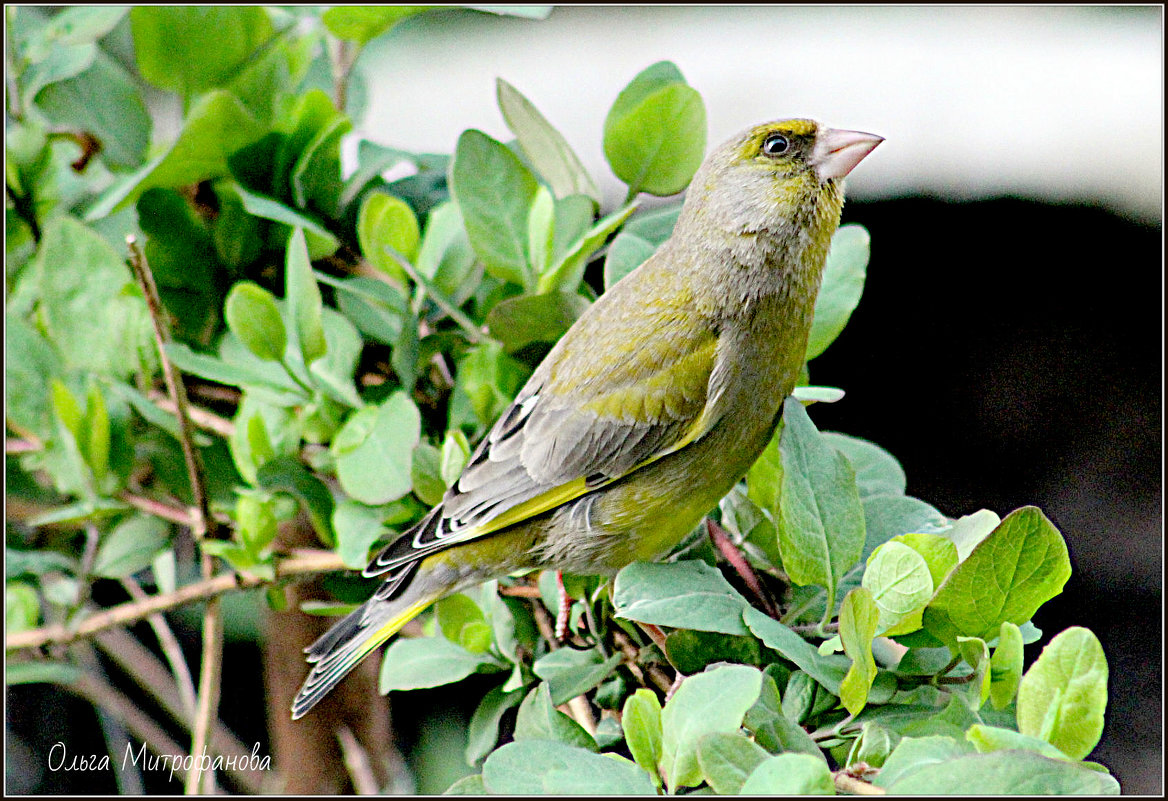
[{"x": 356, "y": 336}]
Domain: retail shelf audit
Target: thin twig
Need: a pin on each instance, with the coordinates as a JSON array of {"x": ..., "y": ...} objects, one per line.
[
  {"x": 170, "y": 648},
  {"x": 632, "y": 653},
  {"x": 206, "y": 420},
  {"x": 727, "y": 548},
  {"x": 198, "y": 780},
  {"x": 576, "y": 708},
  {"x": 21, "y": 446},
  {"x": 465, "y": 323},
  {"x": 139, "y": 724},
  {"x": 184, "y": 516},
  {"x": 847, "y": 783},
  {"x": 139, "y": 663},
  {"x": 212, "y": 659},
  {"x": 302, "y": 565},
  {"x": 521, "y": 591},
  {"x": 357, "y": 762},
  {"x": 174, "y": 387}
]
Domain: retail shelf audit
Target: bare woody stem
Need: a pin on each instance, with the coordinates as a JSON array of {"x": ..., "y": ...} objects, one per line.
[{"x": 303, "y": 564}]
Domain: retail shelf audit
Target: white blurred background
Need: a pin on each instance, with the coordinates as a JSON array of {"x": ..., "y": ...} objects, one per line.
[{"x": 1049, "y": 103}]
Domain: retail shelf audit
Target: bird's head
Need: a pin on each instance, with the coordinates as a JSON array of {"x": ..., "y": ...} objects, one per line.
[{"x": 777, "y": 176}]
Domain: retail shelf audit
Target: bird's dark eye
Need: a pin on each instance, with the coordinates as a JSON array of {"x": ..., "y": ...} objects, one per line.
[{"x": 775, "y": 145}]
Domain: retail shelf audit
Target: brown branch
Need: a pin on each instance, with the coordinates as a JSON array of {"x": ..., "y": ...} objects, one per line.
[
  {"x": 206, "y": 526},
  {"x": 169, "y": 644},
  {"x": 301, "y": 565},
  {"x": 184, "y": 516},
  {"x": 727, "y": 548},
  {"x": 200, "y": 781},
  {"x": 148, "y": 673},
  {"x": 357, "y": 762},
  {"x": 174, "y": 386},
  {"x": 847, "y": 783},
  {"x": 204, "y": 419},
  {"x": 139, "y": 724},
  {"x": 576, "y": 708},
  {"x": 631, "y": 652},
  {"x": 21, "y": 446}
]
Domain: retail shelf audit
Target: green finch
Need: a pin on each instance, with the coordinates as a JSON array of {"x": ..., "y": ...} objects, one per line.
[{"x": 649, "y": 409}]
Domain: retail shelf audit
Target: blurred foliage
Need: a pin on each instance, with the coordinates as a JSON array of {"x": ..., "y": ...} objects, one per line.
[{"x": 357, "y": 335}]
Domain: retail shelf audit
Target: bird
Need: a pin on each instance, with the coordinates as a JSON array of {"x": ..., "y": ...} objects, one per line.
[{"x": 648, "y": 410}]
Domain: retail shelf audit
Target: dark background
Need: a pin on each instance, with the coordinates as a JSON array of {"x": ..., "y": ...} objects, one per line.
[
  {"x": 1010, "y": 353},
  {"x": 1007, "y": 353}
]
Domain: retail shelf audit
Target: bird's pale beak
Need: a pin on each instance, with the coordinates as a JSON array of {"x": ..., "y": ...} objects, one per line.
[{"x": 838, "y": 152}]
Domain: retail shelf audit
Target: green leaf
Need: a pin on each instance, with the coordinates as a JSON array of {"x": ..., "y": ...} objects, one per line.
[
  {"x": 255, "y": 519},
  {"x": 715, "y": 701},
  {"x": 688, "y": 594},
  {"x": 362, "y": 24},
  {"x": 977, "y": 655},
  {"x": 287, "y": 474},
  {"x": 482, "y": 733},
  {"x": 217, "y": 126},
  {"x": 637, "y": 241},
  {"x": 987, "y": 739},
  {"x": 494, "y": 193},
  {"x": 1006, "y": 666},
  {"x": 95, "y": 441},
  {"x": 376, "y": 308},
  {"x": 131, "y": 546},
  {"x": 462, "y": 622},
  {"x": 843, "y": 284},
  {"x": 1004, "y": 773},
  {"x": 1007, "y": 577},
  {"x": 486, "y": 381},
  {"x": 22, "y": 608},
  {"x": 541, "y": 230},
  {"x": 569, "y": 271},
  {"x": 915, "y": 753},
  {"x": 772, "y": 729},
  {"x": 531, "y": 767},
  {"x": 467, "y": 785},
  {"x": 1063, "y": 695},
  {"x": 520, "y": 321},
  {"x": 822, "y": 531},
  {"x": 92, "y": 312},
  {"x": 544, "y": 146},
  {"x": 692, "y": 651},
  {"x": 252, "y": 316},
  {"x": 877, "y": 471},
  {"x": 655, "y": 133},
  {"x": 570, "y": 673},
  {"x": 538, "y": 719},
  {"x": 425, "y": 475},
  {"x": 102, "y": 100},
  {"x": 190, "y": 49},
  {"x": 641, "y": 722},
  {"x": 827, "y": 670},
  {"x": 357, "y": 527},
  {"x": 727, "y": 759},
  {"x": 31, "y": 362},
  {"x": 41, "y": 671},
  {"x": 899, "y": 580},
  {"x": 412, "y": 664},
  {"x": 321, "y": 242},
  {"x": 968, "y": 531},
  {"x": 388, "y": 222},
  {"x": 374, "y": 450},
  {"x": 445, "y": 255},
  {"x": 937, "y": 550},
  {"x": 858, "y": 620},
  {"x": 302, "y": 292},
  {"x": 455, "y": 455},
  {"x": 790, "y": 774}
]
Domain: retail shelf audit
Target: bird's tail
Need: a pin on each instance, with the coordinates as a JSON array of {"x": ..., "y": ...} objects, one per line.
[{"x": 352, "y": 639}]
